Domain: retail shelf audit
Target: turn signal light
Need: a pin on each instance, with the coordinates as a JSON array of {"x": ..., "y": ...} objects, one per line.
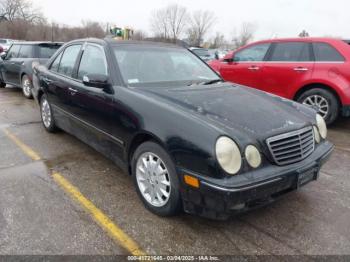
[{"x": 192, "y": 181}]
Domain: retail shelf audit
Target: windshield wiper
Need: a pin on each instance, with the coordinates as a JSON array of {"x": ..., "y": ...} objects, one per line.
[{"x": 212, "y": 82}]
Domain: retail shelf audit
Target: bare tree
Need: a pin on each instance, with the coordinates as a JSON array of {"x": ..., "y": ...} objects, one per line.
[
  {"x": 169, "y": 22},
  {"x": 304, "y": 33},
  {"x": 139, "y": 35},
  {"x": 11, "y": 10},
  {"x": 245, "y": 35},
  {"x": 218, "y": 41},
  {"x": 201, "y": 22}
]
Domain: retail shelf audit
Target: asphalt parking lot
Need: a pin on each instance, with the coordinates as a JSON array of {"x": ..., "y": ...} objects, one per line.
[{"x": 39, "y": 216}]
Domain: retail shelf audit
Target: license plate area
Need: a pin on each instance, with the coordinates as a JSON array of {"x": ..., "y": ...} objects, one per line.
[{"x": 304, "y": 177}]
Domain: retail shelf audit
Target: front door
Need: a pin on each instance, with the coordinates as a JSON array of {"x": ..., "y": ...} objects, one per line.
[{"x": 246, "y": 65}]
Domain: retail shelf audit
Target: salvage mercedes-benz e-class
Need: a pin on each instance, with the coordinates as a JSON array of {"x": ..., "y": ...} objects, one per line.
[{"x": 188, "y": 139}]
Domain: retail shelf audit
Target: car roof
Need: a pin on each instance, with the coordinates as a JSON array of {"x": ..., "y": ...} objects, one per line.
[
  {"x": 111, "y": 41},
  {"x": 37, "y": 43},
  {"x": 300, "y": 39}
]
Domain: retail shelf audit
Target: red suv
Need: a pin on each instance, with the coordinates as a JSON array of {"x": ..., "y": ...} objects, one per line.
[{"x": 312, "y": 71}]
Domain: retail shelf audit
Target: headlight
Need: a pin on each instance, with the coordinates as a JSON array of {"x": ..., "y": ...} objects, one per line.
[
  {"x": 321, "y": 125},
  {"x": 317, "y": 135},
  {"x": 228, "y": 155},
  {"x": 253, "y": 157}
]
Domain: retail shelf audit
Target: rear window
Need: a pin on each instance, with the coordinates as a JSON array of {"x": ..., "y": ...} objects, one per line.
[
  {"x": 326, "y": 53},
  {"x": 46, "y": 51},
  {"x": 291, "y": 52}
]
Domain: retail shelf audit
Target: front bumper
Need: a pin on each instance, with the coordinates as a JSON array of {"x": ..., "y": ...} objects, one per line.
[{"x": 220, "y": 198}]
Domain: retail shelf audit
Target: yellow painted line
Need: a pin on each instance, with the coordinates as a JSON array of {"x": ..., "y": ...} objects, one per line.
[
  {"x": 115, "y": 232},
  {"x": 112, "y": 229},
  {"x": 26, "y": 149}
]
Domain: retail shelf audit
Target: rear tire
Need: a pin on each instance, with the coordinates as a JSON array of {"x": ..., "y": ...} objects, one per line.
[
  {"x": 156, "y": 180},
  {"x": 27, "y": 87},
  {"x": 2, "y": 84},
  {"x": 46, "y": 115},
  {"x": 323, "y": 101}
]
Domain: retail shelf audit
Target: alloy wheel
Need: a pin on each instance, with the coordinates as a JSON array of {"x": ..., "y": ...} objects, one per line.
[
  {"x": 46, "y": 113},
  {"x": 27, "y": 87},
  {"x": 319, "y": 103},
  {"x": 153, "y": 179}
]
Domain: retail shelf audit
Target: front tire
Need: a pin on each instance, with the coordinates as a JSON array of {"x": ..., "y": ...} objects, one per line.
[
  {"x": 323, "y": 101},
  {"x": 46, "y": 115},
  {"x": 2, "y": 85},
  {"x": 27, "y": 87},
  {"x": 155, "y": 179}
]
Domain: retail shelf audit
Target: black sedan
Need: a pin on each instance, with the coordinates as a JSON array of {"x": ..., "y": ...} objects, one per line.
[{"x": 188, "y": 139}]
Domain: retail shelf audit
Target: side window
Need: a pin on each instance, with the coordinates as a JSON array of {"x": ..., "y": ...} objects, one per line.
[
  {"x": 252, "y": 53},
  {"x": 26, "y": 51},
  {"x": 291, "y": 52},
  {"x": 325, "y": 52},
  {"x": 56, "y": 63},
  {"x": 93, "y": 61},
  {"x": 13, "y": 52},
  {"x": 68, "y": 60},
  {"x": 46, "y": 51}
]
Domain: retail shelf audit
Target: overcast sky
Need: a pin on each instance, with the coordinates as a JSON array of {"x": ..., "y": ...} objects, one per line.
[{"x": 273, "y": 18}]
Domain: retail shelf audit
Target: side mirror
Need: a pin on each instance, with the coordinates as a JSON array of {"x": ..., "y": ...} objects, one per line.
[{"x": 96, "y": 80}]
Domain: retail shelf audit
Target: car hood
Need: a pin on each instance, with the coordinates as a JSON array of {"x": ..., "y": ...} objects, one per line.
[{"x": 237, "y": 110}]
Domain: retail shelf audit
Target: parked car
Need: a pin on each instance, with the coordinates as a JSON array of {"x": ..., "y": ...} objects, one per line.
[
  {"x": 5, "y": 44},
  {"x": 203, "y": 53},
  {"x": 312, "y": 71},
  {"x": 187, "y": 138},
  {"x": 16, "y": 64}
]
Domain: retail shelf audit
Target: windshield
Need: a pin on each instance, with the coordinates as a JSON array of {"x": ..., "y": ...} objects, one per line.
[{"x": 144, "y": 65}]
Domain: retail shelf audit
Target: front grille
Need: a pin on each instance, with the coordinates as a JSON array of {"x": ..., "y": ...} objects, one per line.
[{"x": 292, "y": 147}]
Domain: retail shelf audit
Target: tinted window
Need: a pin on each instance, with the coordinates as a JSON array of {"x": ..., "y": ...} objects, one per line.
[
  {"x": 56, "y": 63},
  {"x": 93, "y": 61},
  {"x": 68, "y": 60},
  {"x": 291, "y": 52},
  {"x": 252, "y": 53},
  {"x": 325, "y": 52},
  {"x": 13, "y": 52},
  {"x": 46, "y": 51},
  {"x": 3, "y": 41},
  {"x": 26, "y": 51}
]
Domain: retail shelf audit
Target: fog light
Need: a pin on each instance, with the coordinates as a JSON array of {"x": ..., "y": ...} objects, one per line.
[{"x": 191, "y": 181}]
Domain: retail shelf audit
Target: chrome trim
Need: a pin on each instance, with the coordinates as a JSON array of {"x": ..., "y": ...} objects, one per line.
[
  {"x": 90, "y": 125},
  {"x": 242, "y": 188},
  {"x": 303, "y": 152}
]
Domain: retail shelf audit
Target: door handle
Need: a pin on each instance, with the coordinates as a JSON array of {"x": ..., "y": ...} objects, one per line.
[
  {"x": 254, "y": 68},
  {"x": 301, "y": 69},
  {"x": 46, "y": 80},
  {"x": 72, "y": 91}
]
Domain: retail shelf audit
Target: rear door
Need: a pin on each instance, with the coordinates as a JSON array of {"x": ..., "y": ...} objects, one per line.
[
  {"x": 9, "y": 64},
  {"x": 245, "y": 69},
  {"x": 289, "y": 65},
  {"x": 59, "y": 81}
]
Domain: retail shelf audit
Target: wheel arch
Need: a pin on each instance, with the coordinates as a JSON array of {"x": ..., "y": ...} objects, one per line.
[
  {"x": 317, "y": 85},
  {"x": 138, "y": 139}
]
